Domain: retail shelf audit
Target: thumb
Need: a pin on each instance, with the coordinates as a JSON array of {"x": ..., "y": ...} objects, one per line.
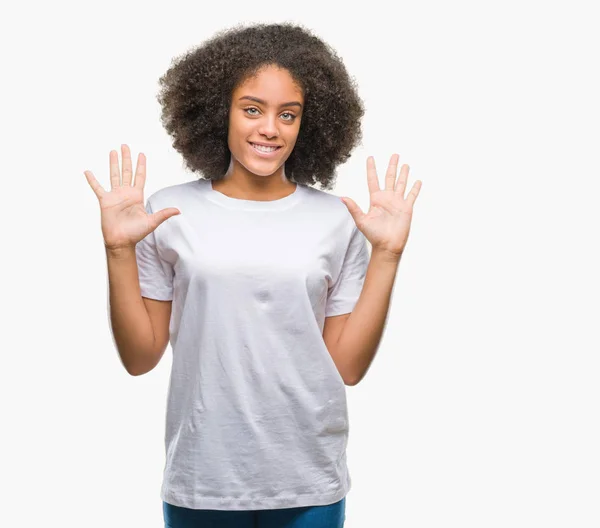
[
  {"x": 353, "y": 208},
  {"x": 164, "y": 214}
]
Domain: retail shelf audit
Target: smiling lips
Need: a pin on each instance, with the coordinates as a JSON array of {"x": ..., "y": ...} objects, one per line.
[{"x": 265, "y": 151}]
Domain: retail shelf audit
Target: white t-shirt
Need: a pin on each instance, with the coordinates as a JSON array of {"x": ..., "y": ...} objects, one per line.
[{"x": 256, "y": 410}]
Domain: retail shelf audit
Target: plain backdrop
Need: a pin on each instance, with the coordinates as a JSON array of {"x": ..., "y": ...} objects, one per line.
[{"x": 481, "y": 408}]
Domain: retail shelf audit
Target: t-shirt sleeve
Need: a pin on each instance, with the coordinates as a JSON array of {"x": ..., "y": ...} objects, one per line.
[
  {"x": 156, "y": 275},
  {"x": 343, "y": 294}
]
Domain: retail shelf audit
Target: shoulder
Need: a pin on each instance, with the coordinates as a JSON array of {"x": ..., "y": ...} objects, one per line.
[
  {"x": 174, "y": 195},
  {"x": 331, "y": 203}
]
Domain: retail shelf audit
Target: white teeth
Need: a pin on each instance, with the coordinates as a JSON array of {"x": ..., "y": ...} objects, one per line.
[{"x": 264, "y": 149}]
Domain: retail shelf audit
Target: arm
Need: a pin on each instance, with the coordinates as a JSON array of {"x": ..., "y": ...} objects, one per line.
[
  {"x": 131, "y": 315},
  {"x": 353, "y": 339}
]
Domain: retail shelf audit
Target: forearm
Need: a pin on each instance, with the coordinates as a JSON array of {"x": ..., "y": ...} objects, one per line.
[
  {"x": 361, "y": 334},
  {"x": 131, "y": 325}
]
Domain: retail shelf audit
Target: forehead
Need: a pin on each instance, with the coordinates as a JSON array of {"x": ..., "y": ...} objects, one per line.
[{"x": 272, "y": 84}]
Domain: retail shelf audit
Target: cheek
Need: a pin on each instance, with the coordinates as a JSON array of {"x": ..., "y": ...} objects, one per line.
[
  {"x": 237, "y": 134},
  {"x": 240, "y": 131},
  {"x": 292, "y": 137}
]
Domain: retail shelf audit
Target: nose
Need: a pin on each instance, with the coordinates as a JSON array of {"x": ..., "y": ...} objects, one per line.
[{"x": 268, "y": 127}]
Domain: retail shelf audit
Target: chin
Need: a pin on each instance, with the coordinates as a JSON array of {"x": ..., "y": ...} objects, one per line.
[
  {"x": 266, "y": 172},
  {"x": 268, "y": 168}
]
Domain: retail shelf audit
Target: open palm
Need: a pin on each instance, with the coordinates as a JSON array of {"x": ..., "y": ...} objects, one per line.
[
  {"x": 387, "y": 223},
  {"x": 123, "y": 215}
]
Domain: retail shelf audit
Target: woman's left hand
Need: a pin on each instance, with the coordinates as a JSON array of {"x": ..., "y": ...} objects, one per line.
[{"x": 387, "y": 224}]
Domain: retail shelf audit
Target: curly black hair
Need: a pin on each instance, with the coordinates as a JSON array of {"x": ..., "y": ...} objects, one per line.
[{"x": 196, "y": 94}]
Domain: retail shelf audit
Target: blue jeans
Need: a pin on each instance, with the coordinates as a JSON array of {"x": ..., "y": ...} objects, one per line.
[{"x": 329, "y": 516}]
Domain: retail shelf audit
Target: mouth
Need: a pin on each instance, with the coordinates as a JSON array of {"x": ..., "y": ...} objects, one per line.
[{"x": 264, "y": 152}]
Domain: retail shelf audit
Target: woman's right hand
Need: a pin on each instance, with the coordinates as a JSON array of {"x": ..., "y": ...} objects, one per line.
[{"x": 123, "y": 215}]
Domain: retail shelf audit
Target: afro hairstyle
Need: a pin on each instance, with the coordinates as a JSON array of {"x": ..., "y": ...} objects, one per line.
[{"x": 196, "y": 91}]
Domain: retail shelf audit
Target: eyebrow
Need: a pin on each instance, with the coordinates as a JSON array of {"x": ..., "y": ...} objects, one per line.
[{"x": 291, "y": 103}]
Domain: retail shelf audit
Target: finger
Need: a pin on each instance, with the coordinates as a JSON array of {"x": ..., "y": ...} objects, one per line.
[
  {"x": 414, "y": 192},
  {"x": 127, "y": 172},
  {"x": 115, "y": 177},
  {"x": 94, "y": 184},
  {"x": 372, "y": 181},
  {"x": 140, "y": 172},
  {"x": 164, "y": 214},
  {"x": 353, "y": 208},
  {"x": 390, "y": 175},
  {"x": 402, "y": 179}
]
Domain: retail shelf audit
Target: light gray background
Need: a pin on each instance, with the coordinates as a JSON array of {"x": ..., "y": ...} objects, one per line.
[{"x": 481, "y": 407}]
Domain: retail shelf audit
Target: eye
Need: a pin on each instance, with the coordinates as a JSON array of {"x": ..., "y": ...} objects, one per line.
[{"x": 290, "y": 118}]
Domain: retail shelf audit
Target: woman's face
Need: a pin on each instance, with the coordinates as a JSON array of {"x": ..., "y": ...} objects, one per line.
[{"x": 267, "y": 110}]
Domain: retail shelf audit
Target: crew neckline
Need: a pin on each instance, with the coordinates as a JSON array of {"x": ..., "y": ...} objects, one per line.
[{"x": 250, "y": 205}]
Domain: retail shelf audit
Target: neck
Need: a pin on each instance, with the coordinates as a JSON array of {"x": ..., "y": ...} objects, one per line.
[{"x": 240, "y": 183}]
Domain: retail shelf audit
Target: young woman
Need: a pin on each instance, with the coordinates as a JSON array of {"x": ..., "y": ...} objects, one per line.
[{"x": 263, "y": 285}]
